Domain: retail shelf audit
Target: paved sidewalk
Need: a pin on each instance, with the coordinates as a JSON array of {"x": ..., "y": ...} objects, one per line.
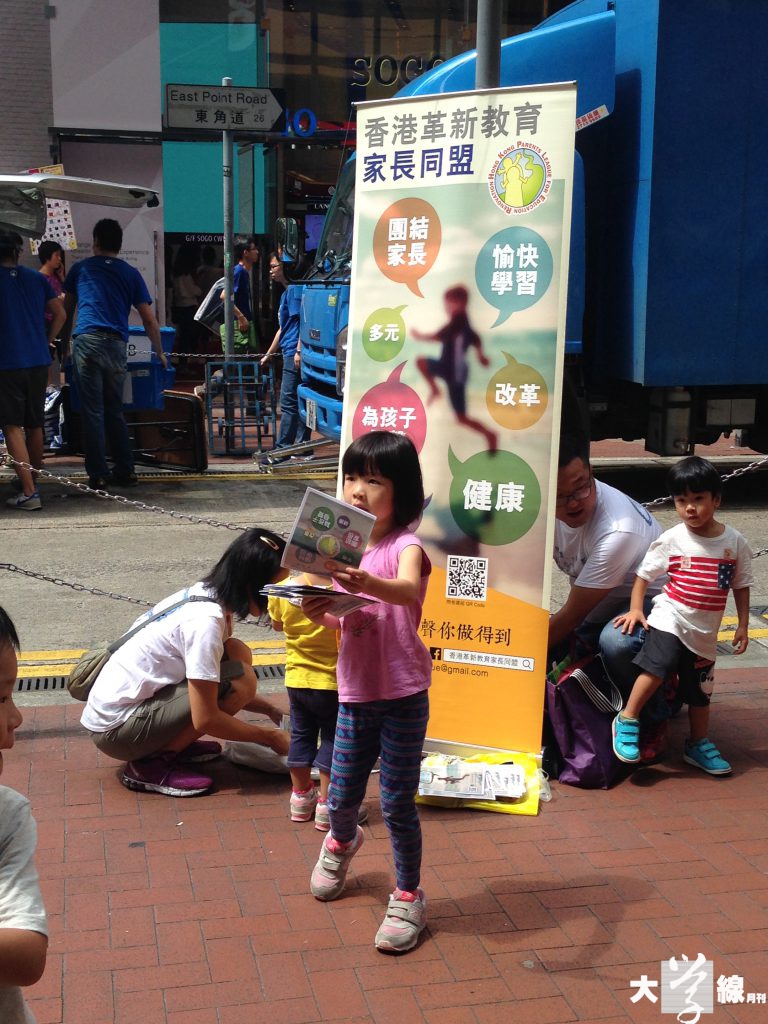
[{"x": 167, "y": 911}]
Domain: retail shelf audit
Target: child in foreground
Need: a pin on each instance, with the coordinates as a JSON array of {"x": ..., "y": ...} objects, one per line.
[
  {"x": 384, "y": 671},
  {"x": 311, "y": 652},
  {"x": 703, "y": 559},
  {"x": 23, "y": 930}
]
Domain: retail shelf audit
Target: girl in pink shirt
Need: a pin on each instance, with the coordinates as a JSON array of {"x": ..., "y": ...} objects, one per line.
[{"x": 384, "y": 671}]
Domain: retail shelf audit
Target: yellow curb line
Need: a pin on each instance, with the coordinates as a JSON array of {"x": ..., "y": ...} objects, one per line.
[
  {"x": 63, "y": 668},
  {"x": 67, "y": 653}
]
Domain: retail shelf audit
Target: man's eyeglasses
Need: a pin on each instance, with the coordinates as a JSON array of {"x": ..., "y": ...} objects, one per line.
[{"x": 580, "y": 495}]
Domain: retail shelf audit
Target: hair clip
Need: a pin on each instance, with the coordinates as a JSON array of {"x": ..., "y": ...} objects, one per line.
[{"x": 270, "y": 543}]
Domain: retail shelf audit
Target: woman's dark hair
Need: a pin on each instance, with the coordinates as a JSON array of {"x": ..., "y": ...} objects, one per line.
[
  {"x": 393, "y": 456},
  {"x": 46, "y": 249},
  {"x": 694, "y": 475},
  {"x": 248, "y": 564},
  {"x": 8, "y": 634}
]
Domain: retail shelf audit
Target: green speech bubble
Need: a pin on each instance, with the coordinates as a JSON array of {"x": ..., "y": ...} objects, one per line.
[
  {"x": 494, "y": 496},
  {"x": 322, "y": 518},
  {"x": 384, "y": 334}
]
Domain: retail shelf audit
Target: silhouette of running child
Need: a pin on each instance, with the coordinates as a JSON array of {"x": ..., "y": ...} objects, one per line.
[{"x": 457, "y": 337}]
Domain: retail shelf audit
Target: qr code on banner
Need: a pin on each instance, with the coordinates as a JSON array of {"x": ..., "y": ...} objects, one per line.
[{"x": 467, "y": 578}]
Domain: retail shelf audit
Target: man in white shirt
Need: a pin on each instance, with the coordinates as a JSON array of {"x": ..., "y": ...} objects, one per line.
[{"x": 601, "y": 536}]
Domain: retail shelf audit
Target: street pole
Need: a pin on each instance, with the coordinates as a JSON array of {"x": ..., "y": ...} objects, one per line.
[
  {"x": 487, "y": 69},
  {"x": 229, "y": 316}
]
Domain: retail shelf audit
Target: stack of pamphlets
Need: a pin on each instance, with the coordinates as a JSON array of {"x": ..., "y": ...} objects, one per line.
[
  {"x": 327, "y": 535},
  {"x": 444, "y": 775},
  {"x": 341, "y": 602}
]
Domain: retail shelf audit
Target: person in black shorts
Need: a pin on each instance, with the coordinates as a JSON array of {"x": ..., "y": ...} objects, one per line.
[
  {"x": 703, "y": 560},
  {"x": 25, "y": 339},
  {"x": 457, "y": 338}
]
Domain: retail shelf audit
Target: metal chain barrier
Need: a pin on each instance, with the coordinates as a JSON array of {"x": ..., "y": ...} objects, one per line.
[
  {"x": 206, "y": 521},
  {"x": 207, "y": 357},
  {"x": 728, "y": 476},
  {"x": 260, "y": 620},
  {"x": 74, "y": 586},
  {"x": 121, "y": 499}
]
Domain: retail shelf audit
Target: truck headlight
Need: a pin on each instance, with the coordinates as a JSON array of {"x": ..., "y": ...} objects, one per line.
[{"x": 341, "y": 360}]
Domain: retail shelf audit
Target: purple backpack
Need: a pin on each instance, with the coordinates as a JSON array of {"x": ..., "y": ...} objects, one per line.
[{"x": 581, "y": 706}]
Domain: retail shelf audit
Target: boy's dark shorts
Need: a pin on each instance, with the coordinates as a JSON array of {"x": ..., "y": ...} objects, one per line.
[
  {"x": 22, "y": 397},
  {"x": 663, "y": 653}
]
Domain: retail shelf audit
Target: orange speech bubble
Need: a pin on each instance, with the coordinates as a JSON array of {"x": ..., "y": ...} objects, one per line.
[
  {"x": 516, "y": 395},
  {"x": 406, "y": 241}
]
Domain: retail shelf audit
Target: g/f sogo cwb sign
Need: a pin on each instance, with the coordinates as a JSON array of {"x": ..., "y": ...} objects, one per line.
[{"x": 220, "y": 108}]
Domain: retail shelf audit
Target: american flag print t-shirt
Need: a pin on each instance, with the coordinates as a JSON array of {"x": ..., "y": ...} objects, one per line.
[
  {"x": 700, "y": 582},
  {"x": 702, "y": 571}
]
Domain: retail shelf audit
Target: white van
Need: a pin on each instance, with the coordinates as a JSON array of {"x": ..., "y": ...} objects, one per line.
[{"x": 23, "y": 196}]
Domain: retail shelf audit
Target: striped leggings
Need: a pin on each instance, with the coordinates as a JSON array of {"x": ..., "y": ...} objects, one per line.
[{"x": 393, "y": 730}]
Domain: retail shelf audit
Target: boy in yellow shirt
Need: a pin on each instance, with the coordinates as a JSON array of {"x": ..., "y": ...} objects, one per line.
[{"x": 311, "y": 652}]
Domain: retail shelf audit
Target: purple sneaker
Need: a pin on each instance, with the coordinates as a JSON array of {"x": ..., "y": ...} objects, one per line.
[
  {"x": 200, "y": 750},
  {"x": 160, "y": 774}
]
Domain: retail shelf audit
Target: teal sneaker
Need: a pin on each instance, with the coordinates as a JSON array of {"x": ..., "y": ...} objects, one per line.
[
  {"x": 626, "y": 739},
  {"x": 706, "y": 756}
]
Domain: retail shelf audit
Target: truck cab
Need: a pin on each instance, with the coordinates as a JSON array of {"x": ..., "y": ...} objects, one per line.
[
  {"x": 668, "y": 269},
  {"x": 325, "y": 314}
]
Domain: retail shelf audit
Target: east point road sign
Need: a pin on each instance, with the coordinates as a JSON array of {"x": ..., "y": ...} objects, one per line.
[{"x": 221, "y": 108}]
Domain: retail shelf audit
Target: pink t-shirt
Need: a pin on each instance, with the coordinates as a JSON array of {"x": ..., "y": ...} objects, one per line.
[
  {"x": 381, "y": 656},
  {"x": 55, "y": 282}
]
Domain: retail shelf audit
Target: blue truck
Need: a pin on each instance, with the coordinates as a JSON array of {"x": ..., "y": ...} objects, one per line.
[{"x": 665, "y": 335}]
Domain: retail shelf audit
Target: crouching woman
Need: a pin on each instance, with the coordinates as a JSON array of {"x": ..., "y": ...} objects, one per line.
[{"x": 183, "y": 675}]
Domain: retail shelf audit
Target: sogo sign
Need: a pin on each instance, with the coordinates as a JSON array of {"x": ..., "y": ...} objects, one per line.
[{"x": 389, "y": 71}]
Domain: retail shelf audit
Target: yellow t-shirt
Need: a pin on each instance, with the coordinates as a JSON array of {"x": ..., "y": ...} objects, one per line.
[{"x": 311, "y": 651}]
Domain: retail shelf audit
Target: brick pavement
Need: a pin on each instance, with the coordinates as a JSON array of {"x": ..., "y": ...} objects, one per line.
[{"x": 168, "y": 911}]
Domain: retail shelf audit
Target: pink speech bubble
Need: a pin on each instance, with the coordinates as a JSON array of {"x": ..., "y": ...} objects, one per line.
[{"x": 392, "y": 406}]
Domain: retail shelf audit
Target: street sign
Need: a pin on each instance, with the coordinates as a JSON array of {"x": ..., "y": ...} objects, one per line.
[{"x": 218, "y": 108}]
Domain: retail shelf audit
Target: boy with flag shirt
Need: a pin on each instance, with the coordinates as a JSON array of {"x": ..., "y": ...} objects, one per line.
[{"x": 704, "y": 559}]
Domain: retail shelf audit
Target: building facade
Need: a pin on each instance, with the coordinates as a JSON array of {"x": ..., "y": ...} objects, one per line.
[{"x": 89, "y": 79}]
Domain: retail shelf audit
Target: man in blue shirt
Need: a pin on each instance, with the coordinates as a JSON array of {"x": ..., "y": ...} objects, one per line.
[
  {"x": 104, "y": 288},
  {"x": 292, "y": 429},
  {"x": 25, "y": 339},
  {"x": 246, "y": 334}
]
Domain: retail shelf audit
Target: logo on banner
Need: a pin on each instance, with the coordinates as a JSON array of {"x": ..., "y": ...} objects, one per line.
[{"x": 520, "y": 179}]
